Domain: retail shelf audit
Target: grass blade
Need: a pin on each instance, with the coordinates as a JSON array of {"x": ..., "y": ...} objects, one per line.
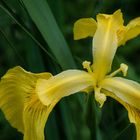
[
  {"x": 44, "y": 20},
  {"x": 11, "y": 14}
]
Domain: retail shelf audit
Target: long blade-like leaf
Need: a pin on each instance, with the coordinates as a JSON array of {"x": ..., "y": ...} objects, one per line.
[
  {"x": 11, "y": 14},
  {"x": 44, "y": 20}
]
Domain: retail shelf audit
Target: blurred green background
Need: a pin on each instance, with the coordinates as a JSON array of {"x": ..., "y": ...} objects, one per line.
[{"x": 38, "y": 35}]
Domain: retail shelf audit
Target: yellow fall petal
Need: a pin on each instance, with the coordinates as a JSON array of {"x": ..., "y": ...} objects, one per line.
[
  {"x": 138, "y": 131},
  {"x": 134, "y": 117},
  {"x": 18, "y": 97},
  {"x": 105, "y": 42},
  {"x": 130, "y": 31},
  {"x": 127, "y": 90},
  {"x": 35, "y": 116},
  {"x": 84, "y": 27},
  {"x": 63, "y": 84},
  {"x": 133, "y": 113}
]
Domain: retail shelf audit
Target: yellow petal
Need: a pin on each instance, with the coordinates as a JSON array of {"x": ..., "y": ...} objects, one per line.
[
  {"x": 133, "y": 113},
  {"x": 105, "y": 42},
  {"x": 131, "y": 30},
  {"x": 84, "y": 27},
  {"x": 127, "y": 90},
  {"x": 134, "y": 117},
  {"x": 35, "y": 116},
  {"x": 17, "y": 88},
  {"x": 138, "y": 131},
  {"x": 63, "y": 84}
]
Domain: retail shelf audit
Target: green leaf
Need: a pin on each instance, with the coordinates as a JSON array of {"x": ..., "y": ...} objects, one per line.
[
  {"x": 44, "y": 20},
  {"x": 10, "y": 13}
]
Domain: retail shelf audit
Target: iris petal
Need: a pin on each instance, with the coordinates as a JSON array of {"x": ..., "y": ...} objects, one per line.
[
  {"x": 134, "y": 117},
  {"x": 20, "y": 103},
  {"x": 138, "y": 131},
  {"x": 133, "y": 113},
  {"x": 35, "y": 116},
  {"x": 84, "y": 27},
  {"x": 63, "y": 84},
  {"x": 105, "y": 42},
  {"x": 130, "y": 31},
  {"x": 127, "y": 90}
]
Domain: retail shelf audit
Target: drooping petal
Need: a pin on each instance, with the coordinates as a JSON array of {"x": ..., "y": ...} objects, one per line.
[
  {"x": 127, "y": 90},
  {"x": 84, "y": 27},
  {"x": 138, "y": 130},
  {"x": 134, "y": 117},
  {"x": 63, "y": 84},
  {"x": 133, "y": 113},
  {"x": 130, "y": 31},
  {"x": 105, "y": 42},
  {"x": 20, "y": 104},
  {"x": 35, "y": 116}
]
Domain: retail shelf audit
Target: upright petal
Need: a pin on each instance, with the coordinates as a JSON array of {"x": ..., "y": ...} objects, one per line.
[
  {"x": 105, "y": 42},
  {"x": 20, "y": 103},
  {"x": 130, "y": 31},
  {"x": 84, "y": 27},
  {"x": 127, "y": 90},
  {"x": 63, "y": 84}
]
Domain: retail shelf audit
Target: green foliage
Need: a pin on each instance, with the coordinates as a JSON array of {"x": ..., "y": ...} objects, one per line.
[{"x": 38, "y": 35}]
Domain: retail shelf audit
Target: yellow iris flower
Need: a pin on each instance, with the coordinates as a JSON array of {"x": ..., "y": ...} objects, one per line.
[{"x": 27, "y": 98}]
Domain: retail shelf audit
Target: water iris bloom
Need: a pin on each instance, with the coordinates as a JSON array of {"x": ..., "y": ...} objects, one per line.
[{"x": 27, "y": 98}]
